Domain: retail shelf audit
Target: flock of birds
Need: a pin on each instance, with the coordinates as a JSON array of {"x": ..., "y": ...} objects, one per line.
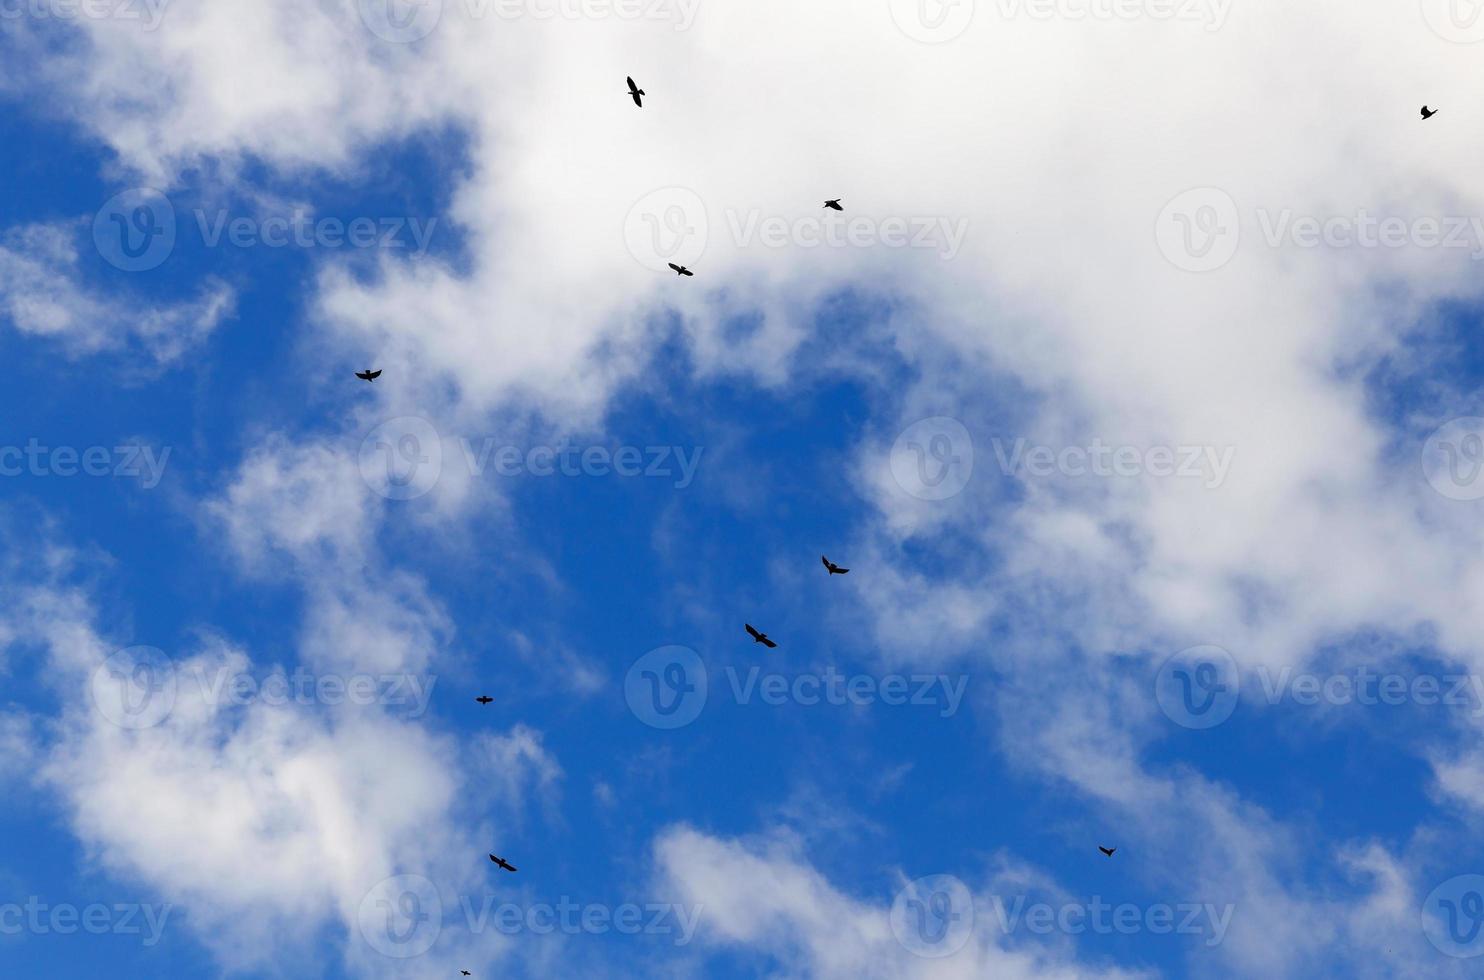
[{"x": 637, "y": 94}]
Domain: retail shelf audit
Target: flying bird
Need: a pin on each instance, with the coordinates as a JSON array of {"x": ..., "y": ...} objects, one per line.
[
  {"x": 368, "y": 375},
  {"x": 759, "y": 637},
  {"x": 1107, "y": 851},
  {"x": 1428, "y": 113},
  {"x": 636, "y": 93},
  {"x": 681, "y": 270},
  {"x": 834, "y": 205},
  {"x": 502, "y": 863},
  {"x": 486, "y": 699},
  {"x": 834, "y": 569},
  {"x": 466, "y": 973}
]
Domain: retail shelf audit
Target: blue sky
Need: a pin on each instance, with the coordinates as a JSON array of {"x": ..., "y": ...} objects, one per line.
[{"x": 1103, "y": 452}]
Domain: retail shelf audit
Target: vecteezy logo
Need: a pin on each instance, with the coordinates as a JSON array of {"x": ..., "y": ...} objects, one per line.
[
  {"x": 135, "y": 229},
  {"x": 1199, "y": 229},
  {"x": 1453, "y": 459},
  {"x": 135, "y": 688},
  {"x": 1453, "y": 916},
  {"x": 933, "y": 459},
  {"x": 1459, "y": 21},
  {"x": 403, "y": 458},
  {"x": 666, "y": 688},
  {"x": 400, "y": 21},
  {"x": 1198, "y": 688},
  {"x": 933, "y": 916},
  {"x": 401, "y": 916},
  {"x": 667, "y": 225},
  {"x": 932, "y": 21}
]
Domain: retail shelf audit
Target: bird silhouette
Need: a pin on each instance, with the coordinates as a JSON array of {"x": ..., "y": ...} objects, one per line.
[
  {"x": 368, "y": 375},
  {"x": 681, "y": 270},
  {"x": 1428, "y": 113},
  {"x": 834, "y": 569},
  {"x": 636, "y": 93},
  {"x": 466, "y": 973},
  {"x": 502, "y": 863},
  {"x": 834, "y": 205},
  {"x": 1107, "y": 851},
  {"x": 486, "y": 699},
  {"x": 759, "y": 637}
]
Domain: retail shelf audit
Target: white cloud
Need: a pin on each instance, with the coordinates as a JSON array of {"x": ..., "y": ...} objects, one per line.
[
  {"x": 764, "y": 898},
  {"x": 43, "y": 294}
]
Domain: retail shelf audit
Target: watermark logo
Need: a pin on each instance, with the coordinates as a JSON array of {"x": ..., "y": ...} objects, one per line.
[
  {"x": 943, "y": 691},
  {"x": 1199, "y": 229},
  {"x": 134, "y": 462},
  {"x": 933, "y": 917},
  {"x": 135, "y": 229},
  {"x": 402, "y": 459},
  {"x": 933, "y": 459},
  {"x": 675, "y": 463},
  {"x": 400, "y": 21},
  {"x": 1453, "y": 459},
  {"x": 1211, "y": 13},
  {"x": 667, "y": 225},
  {"x": 298, "y": 229},
  {"x": 1206, "y": 463},
  {"x": 138, "y": 688},
  {"x": 1453, "y": 916},
  {"x": 1198, "y": 687},
  {"x": 135, "y": 688},
  {"x": 666, "y": 688},
  {"x": 38, "y": 918},
  {"x": 1125, "y": 919},
  {"x": 147, "y": 12},
  {"x": 401, "y": 916},
  {"x": 676, "y": 922},
  {"x": 931, "y": 232},
  {"x": 932, "y": 21},
  {"x": 1459, "y": 21}
]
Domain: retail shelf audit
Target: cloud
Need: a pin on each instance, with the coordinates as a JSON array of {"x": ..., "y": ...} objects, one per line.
[
  {"x": 43, "y": 294},
  {"x": 762, "y": 898}
]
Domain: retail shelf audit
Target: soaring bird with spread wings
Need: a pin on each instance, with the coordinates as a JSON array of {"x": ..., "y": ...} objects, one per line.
[{"x": 759, "y": 637}]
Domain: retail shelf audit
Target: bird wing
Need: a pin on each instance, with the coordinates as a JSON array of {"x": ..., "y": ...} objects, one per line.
[
  {"x": 755, "y": 633},
  {"x": 375, "y": 375},
  {"x": 632, "y": 86},
  {"x": 769, "y": 644},
  {"x": 674, "y": 266},
  {"x": 826, "y": 561},
  {"x": 842, "y": 571}
]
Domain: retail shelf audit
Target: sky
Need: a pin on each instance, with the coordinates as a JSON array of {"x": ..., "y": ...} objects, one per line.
[{"x": 1135, "y": 385}]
